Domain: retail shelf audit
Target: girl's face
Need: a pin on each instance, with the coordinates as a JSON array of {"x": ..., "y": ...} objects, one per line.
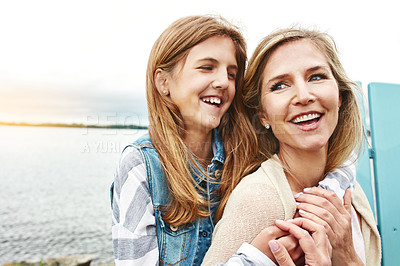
[
  {"x": 203, "y": 85},
  {"x": 300, "y": 97}
]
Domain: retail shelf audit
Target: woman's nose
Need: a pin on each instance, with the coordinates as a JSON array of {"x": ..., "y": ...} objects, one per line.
[{"x": 304, "y": 94}]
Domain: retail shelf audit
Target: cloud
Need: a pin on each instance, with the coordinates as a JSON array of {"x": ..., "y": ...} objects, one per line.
[{"x": 91, "y": 56}]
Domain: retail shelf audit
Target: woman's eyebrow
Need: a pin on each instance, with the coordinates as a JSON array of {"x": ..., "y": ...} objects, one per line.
[
  {"x": 315, "y": 68},
  {"x": 278, "y": 77},
  {"x": 311, "y": 69}
]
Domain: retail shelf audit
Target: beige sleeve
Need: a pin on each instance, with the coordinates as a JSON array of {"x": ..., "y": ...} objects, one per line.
[
  {"x": 372, "y": 241},
  {"x": 251, "y": 208}
]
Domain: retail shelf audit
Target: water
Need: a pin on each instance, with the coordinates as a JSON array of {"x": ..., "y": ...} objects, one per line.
[{"x": 54, "y": 195}]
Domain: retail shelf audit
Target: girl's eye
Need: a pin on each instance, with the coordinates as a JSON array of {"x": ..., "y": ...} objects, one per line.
[
  {"x": 206, "y": 68},
  {"x": 278, "y": 86},
  {"x": 317, "y": 77},
  {"x": 232, "y": 75}
]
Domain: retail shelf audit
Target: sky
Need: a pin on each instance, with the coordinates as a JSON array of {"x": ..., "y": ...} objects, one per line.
[{"x": 84, "y": 61}]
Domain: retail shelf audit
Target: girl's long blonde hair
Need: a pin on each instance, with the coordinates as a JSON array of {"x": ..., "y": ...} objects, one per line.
[
  {"x": 348, "y": 134},
  {"x": 166, "y": 126}
]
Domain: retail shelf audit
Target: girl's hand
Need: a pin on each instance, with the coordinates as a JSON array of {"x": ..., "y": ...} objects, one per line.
[
  {"x": 311, "y": 238},
  {"x": 289, "y": 242},
  {"x": 325, "y": 208}
]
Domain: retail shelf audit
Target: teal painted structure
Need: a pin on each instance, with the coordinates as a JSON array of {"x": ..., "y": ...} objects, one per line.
[
  {"x": 384, "y": 112},
  {"x": 364, "y": 177}
]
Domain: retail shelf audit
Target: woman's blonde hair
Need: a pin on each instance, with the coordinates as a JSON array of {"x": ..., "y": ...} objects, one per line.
[
  {"x": 348, "y": 134},
  {"x": 166, "y": 126}
]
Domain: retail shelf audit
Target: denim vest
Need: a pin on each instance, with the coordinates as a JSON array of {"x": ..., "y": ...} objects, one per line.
[{"x": 186, "y": 244}]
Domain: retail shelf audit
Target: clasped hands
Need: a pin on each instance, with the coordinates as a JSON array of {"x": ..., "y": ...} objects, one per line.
[{"x": 320, "y": 234}]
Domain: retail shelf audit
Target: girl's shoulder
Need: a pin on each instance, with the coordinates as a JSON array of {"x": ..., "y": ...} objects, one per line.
[
  {"x": 131, "y": 171},
  {"x": 142, "y": 141},
  {"x": 131, "y": 157}
]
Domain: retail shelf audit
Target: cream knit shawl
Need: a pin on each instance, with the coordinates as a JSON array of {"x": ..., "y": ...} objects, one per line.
[{"x": 265, "y": 196}]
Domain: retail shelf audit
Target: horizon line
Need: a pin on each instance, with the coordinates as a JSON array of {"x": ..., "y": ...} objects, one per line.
[{"x": 73, "y": 125}]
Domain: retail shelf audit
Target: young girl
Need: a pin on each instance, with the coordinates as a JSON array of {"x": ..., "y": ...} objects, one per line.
[{"x": 173, "y": 182}]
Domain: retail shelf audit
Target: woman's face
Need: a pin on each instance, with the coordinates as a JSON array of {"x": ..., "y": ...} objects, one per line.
[
  {"x": 300, "y": 97},
  {"x": 203, "y": 86}
]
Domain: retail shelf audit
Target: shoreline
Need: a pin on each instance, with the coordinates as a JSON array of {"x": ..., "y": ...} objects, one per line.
[
  {"x": 76, "y": 260},
  {"x": 73, "y": 125}
]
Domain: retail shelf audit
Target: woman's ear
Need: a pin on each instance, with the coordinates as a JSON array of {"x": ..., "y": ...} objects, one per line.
[
  {"x": 161, "y": 82},
  {"x": 263, "y": 119}
]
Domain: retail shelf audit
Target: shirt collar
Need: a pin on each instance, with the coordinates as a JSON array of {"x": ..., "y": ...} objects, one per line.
[
  {"x": 219, "y": 155},
  {"x": 218, "y": 148}
]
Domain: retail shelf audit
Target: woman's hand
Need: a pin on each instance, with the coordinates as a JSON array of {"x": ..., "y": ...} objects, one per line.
[
  {"x": 289, "y": 242},
  {"x": 325, "y": 208},
  {"x": 312, "y": 239}
]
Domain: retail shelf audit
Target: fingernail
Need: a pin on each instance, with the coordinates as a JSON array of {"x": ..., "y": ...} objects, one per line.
[
  {"x": 273, "y": 245},
  {"x": 289, "y": 220},
  {"x": 297, "y": 203},
  {"x": 298, "y": 195},
  {"x": 307, "y": 189},
  {"x": 279, "y": 221},
  {"x": 302, "y": 211}
]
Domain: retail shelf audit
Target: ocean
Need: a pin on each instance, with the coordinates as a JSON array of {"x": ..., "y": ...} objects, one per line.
[{"x": 54, "y": 192}]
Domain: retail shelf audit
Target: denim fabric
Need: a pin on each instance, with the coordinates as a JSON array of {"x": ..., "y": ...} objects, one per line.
[{"x": 186, "y": 244}]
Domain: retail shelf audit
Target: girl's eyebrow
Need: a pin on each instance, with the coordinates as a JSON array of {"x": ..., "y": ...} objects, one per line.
[{"x": 212, "y": 59}]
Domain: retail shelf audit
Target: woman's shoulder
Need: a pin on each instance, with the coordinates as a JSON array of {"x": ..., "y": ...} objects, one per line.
[
  {"x": 269, "y": 185},
  {"x": 259, "y": 180},
  {"x": 265, "y": 174},
  {"x": 361, "y": 204},
  {"x": 369, "y": 229},
  {"x": 257, "y": 197},
  {"x": 359, "y": 199}
]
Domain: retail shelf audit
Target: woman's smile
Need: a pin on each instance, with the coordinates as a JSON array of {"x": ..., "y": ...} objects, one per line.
[{"x": 307, "y": 122}]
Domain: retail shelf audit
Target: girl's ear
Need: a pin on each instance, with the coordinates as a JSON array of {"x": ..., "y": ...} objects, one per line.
[{"x": 161, "y": 82}]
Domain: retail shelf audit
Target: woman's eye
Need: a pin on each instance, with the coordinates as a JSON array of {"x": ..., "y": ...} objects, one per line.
[
  {"x": 278, "y": 86},
  {"x": 317, "y": 77}
]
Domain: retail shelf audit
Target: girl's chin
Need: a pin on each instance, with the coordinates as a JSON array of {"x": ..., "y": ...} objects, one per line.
[{"x": 212, "y": 122}]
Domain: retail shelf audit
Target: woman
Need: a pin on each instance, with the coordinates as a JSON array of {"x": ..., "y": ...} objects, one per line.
[
  {"x": 169, "y": 187},
  {"x": 308, "y": 122}
]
